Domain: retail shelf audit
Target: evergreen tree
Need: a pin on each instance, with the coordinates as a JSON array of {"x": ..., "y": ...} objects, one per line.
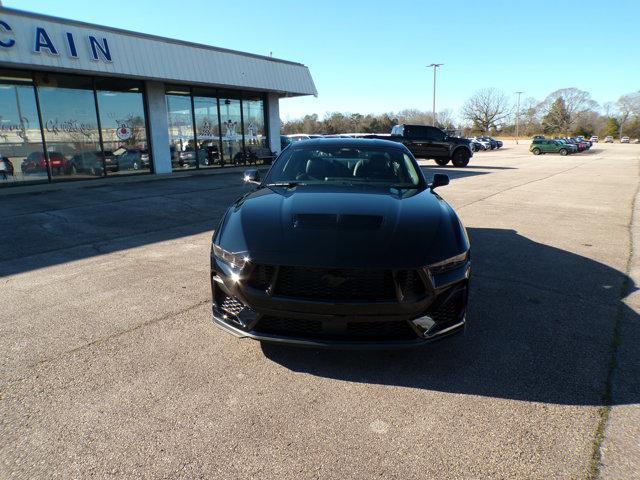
[
  {"x": 610, "y": 128},
  {"x": 557, "y": 119}
]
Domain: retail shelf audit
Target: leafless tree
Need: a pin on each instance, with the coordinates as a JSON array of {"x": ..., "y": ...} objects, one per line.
[
  {"x": 628, "y": 105},
  {"x": 486, "y": 109},
  {"x": 608, "y": 109},
  {"x": 577, "y": 103},
  {"x": 529, "y": 116},
  {"x": 444, "y": 118}
]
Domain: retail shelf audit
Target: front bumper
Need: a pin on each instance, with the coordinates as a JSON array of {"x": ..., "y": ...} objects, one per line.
[{"x": 246, "y": 312}]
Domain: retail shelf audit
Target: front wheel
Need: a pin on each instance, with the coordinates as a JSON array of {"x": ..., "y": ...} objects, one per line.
[
  {"x": 461, "y": 158},
  {"x": 563, "y": 152},
  {"x": 442, "y": 161},
  {"x": 536, "y": 151}
]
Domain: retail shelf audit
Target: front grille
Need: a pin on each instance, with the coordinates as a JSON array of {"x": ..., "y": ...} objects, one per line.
[
  {"x": 410, "y": 284},
  {"x": 336, "y": 330},
  {"x": 261, "y": 276},
  {"x": 355, "y": 285}
]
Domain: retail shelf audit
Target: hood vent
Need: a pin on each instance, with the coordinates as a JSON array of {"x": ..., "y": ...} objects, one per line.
[{"x": 327, "y": 220}]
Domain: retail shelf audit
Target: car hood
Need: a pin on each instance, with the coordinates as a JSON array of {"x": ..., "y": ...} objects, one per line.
[{"x": 342, "y": 227}]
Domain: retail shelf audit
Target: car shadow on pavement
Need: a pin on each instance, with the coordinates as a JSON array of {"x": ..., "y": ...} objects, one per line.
[
  {"x": 471, "y": 165},
  {"x": 541, "y": 325},
  {"x": 454, "y": 173}
]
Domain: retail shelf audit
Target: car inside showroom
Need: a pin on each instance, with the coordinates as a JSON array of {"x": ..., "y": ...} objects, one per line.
[{"x": 81, "y": 101}]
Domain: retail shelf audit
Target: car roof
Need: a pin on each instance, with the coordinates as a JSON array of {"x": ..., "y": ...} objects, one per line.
[{"x": 348, "y": 142}]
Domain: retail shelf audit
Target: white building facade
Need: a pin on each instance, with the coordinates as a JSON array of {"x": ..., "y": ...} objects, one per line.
[{"x": 85, "y": 101}]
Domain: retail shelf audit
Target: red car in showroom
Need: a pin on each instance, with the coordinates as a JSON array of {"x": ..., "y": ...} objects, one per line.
[{"x": 35, "y": 163}]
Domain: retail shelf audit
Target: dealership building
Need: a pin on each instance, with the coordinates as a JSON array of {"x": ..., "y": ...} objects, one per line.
[{"x": 85, "y": 101}]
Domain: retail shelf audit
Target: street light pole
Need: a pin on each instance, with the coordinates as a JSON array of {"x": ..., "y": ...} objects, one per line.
[
  {"x": 518, "y": 116},
  {"x": 435, "y": 66}
]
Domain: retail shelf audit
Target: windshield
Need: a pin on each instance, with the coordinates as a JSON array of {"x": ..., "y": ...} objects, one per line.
[{"x": 351, "y": 165}]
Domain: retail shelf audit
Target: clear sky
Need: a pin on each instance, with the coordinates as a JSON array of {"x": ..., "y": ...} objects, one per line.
[{"x": 371, "y": 56}]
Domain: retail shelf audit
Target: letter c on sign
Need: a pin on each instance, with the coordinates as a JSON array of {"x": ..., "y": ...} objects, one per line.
[{"x": 8, "y": 43}]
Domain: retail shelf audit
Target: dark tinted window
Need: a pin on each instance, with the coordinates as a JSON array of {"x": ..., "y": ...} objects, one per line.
[
  {"x": 345, "y": 165},
  {"x": 415, "y": 132},
  {"x": 433, "y": 133}
]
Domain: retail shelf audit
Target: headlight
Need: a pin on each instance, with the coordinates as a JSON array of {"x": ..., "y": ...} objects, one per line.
[
  {"x": 449, "y": 263},
  {"x": 234, "y": 260}
]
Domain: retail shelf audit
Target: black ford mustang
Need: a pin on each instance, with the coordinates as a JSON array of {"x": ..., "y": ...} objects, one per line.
[{"x": 343, "y": 243}]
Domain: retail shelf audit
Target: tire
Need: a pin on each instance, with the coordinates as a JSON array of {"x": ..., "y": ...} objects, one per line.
[
  {"x": 441, "y": 161},
  {"x": 460, "y": 158},
  {"x": 536, "y": 151},
  {"x": 563, "y": 152}
]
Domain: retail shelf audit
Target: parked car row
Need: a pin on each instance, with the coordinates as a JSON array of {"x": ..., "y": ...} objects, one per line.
[
  {"x": 209, "y": 155},
  {"x": 610, "y": 139},
  {"x": 89, "y": 162},
  {"x": 563, "y": 146},
  {"x": 479, "y": 144},
  {"x": 424, "y": 142},
  {"x": 623, "y": 139}
]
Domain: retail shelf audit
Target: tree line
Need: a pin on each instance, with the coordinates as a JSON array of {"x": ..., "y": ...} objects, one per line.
[{"x": 489, "y": 111}]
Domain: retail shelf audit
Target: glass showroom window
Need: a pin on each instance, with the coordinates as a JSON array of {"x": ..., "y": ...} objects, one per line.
[
  {"x": 181, "y": 138},
  {"x": 21, "y": 153},
  {"x": 231, "y": 129},
  {"x": 123, "y": 123},
  {"x": 255, "y": 140},
  {"x": 207, "y": 130},
  {"x": 70, "y": 126}
]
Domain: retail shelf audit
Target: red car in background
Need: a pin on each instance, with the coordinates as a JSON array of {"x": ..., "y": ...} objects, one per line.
[
  {"x": 35, "y": 163},
  {"x": 582, "y": 146}
]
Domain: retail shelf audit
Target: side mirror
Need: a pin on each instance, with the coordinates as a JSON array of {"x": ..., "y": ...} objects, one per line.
[
  {"x": 439, "y": 180},
  {"x": 251, "y": 176}
]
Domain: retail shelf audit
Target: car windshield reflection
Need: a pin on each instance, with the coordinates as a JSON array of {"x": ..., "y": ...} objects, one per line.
[{"x": 347, "y": 166}]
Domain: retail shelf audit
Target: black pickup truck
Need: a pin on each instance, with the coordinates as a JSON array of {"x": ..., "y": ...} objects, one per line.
[{"x": 431, "y": 142}]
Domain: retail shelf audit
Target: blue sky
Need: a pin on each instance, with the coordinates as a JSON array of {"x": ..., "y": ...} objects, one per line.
[{"x": 370, "y": 56}]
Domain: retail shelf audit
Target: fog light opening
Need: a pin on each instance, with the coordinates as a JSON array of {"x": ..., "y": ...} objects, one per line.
[{"x": 424, "y": 323}]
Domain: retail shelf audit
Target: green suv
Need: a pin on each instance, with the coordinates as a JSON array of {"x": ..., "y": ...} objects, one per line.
[{"x": 543, "y": 145}]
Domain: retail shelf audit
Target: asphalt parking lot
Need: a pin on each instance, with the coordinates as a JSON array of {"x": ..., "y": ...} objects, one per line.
[{"x": 110, "y": 365}]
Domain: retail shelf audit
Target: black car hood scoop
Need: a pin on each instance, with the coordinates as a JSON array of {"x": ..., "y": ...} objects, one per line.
[
  {"x": 338, "y": 221},
  {"x": 342, "y": 227}
]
